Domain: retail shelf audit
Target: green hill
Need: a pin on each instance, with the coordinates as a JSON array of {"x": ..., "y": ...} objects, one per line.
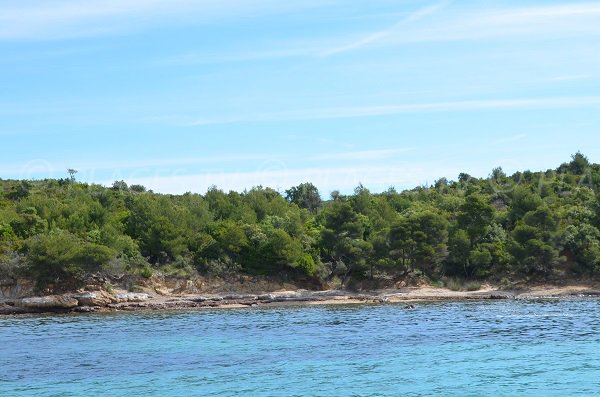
[{"x": 530, "y": 225}]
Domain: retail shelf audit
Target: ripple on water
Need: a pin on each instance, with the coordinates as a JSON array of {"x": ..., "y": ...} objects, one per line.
[{"x": 469, "y": 348}]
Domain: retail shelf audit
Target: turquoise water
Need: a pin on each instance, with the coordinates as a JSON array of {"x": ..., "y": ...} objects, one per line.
[{"x": 543, "y": 348}]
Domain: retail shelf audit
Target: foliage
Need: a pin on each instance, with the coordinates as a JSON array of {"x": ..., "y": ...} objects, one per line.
[
  {"x": 529, "y": 224},
  {"x": 305, "y": 195},
  {"x": 61, "y": 256}
]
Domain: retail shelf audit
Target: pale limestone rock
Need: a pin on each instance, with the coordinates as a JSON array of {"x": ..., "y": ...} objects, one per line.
[
  {"x": 132, "y": 297},
  {"x": 48, "y": 302},
  {"x": 96, "y": 298}
]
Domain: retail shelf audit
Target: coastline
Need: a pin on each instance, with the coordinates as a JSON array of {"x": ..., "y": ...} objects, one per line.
[{"x": 123, "y": 301}]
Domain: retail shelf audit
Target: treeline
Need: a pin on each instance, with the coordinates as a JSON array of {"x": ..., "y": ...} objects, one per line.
[{"x": 526, "y": 225}]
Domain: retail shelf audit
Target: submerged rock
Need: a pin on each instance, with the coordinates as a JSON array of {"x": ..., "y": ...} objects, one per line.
[{"x": 52, "y": 302}]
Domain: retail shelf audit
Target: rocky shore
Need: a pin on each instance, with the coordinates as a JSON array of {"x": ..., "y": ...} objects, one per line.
[{"x": 104, "y": 301}]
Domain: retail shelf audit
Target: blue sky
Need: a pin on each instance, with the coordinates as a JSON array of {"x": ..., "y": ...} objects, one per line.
[{"x": 180, "y": 95}]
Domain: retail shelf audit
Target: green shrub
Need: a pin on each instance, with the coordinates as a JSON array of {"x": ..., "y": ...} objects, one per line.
[
  {"x": 473, "y": 286},
  {"x": 307, "y": 264},
  {"x": 453, "y": 284},
  {"x": 60, "y": 256},
  {"x": 146, "y": 272}
]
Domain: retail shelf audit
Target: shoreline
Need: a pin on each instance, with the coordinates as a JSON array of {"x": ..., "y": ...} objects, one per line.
[{"x": 123, "y": 301}]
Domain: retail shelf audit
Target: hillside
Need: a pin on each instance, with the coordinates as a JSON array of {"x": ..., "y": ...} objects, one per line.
[{"x": 526, "y": 226}]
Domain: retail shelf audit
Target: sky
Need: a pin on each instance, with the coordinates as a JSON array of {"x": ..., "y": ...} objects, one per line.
[{"x": 180, "y": 95}]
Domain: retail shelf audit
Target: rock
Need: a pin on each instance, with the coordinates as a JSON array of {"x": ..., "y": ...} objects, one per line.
[
  {"x": 498, "y": 297},
  {"x": 380, "y": 299},
  {"x": 15, "y": 289},
  {"x": 200, "y": 299},
  {"x": 97, "y": 298},
  {"x": 235, "y": 297},
  {"x": 132, "y": 297},
  {"x": 129, "y": 306},
  {"x": 6, "y": 309},
  {"x": 85, "y": 309},
  {"x": 52, "y": 302},
  {"x": 162, "y": 291}
]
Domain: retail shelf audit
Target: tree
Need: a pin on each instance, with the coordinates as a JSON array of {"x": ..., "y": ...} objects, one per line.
[
  {"x": 533, "y": 244},
  {"x": 307, "y": 264},
  {"x": 421, "y": 240},
  {"x": 305, "y": 195},
  {"x": 62, "y": 258},
  {"x": 137, "y": 188},
  {"x": 584, "y": 243},
  {"x": 72, "y": 173},
  {"x": 579, "y": 164},
  {"x": 475, "y": 217},
  {"x": 362, "y": 201},
  {"x": 342, "y": 238},
  {"x": 19, "y": 191},
  {"x": 336, "y": 195},
  {"x": 160, "y": 229},
  {"x": 523, "y": 200},
  {"x": 497, "y": 174},
  {"x": 470, "y": 228},
  {"x": 120, "y": 186},
  {"x": 29, "y": 223},
  {"x": 459, "y": 246}
]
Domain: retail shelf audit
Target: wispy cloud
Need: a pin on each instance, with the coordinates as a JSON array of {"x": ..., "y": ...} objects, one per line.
[
  {"x": 48, "y": 168},
  {"x": 388, "y": 110},
  {"x": 377, "y": 36},
  {"x": 363, "y": 155},
  {"x": 191, "y": 58},
  {"x": 342, "y": 178},
  {"x": 573, "y": 77},
  {"x": 440, "y": 22},
  {"x": 56, "y": 19},
  {"x": 562, "y": 20}
]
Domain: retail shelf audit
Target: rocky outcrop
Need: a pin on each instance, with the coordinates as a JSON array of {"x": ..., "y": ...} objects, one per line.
[
  {"x": 132, "y": 297},
  {"x": 8, "y": 309},
  {"x": 81, "y": 302},
  {"x": 95, "y": 299},
  {"x": 15, "y": 288},
  {"x": 48, "y": 303},
  {"x": 102, "y": 301}
]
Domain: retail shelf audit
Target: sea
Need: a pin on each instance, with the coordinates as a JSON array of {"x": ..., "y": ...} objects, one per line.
[{"x": 492, "y": 348}]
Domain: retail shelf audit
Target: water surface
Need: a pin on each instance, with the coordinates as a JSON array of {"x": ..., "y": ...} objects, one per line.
[{"x": 507, "y": 348}]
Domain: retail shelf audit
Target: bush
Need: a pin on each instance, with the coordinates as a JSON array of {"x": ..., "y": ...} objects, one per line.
[
  {"x": 62, "y": 256},
  {"x": 307, "y": 264},
  {"x": 453, "y": 284},
  {"x": 146, "y": 272},
  {"x": 12, "y": 265},
  {"x": 473, "y": 286},
  {"x": 221, "y": 267}
]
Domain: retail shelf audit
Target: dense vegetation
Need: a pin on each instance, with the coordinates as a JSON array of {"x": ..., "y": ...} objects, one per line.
[{"x": 527, "y": 225}]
